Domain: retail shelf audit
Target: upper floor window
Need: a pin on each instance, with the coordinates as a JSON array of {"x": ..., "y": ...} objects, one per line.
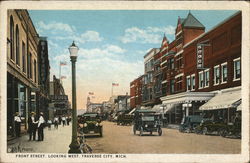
[
  {"x": 224, "y": 73},
  {"x": 216, "y": 75},
  {"x": 23, "y": 57},
  {"x": 11, "y": 38},
  {"x": 237, "y": 69},
  {"x": 206, "y": 78},
  {"x": 171, "y": 64},
  {"x": 35, "y": 70},
  {"x": 201, "y": 79},
  {"x": 188, "y": 83},
  {"x": 193, "y": 82},
  {"x": 17, "y": 46},
  {"x": 171, "y": 86}
]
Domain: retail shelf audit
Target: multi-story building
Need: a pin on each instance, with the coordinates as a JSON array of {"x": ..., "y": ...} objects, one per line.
[
  {"x": 136, "y": 93},
  {"x": 59, "y": 102},
  {"x": 204, "y": 64},
  {"x": 22, "y": 67},
  {"x": 148, "y": 82},
  {"x": 43, "y": 77}
]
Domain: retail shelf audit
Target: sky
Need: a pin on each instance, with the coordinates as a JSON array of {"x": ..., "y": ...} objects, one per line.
[{"x": 112, "y": 44}]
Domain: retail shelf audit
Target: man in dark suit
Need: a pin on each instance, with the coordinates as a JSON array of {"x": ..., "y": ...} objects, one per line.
[
  {"x": 32, "y": 124},
  {"x": 41, "y": 123}
]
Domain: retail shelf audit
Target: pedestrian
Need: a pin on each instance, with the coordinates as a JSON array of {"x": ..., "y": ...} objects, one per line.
[
  {"x": 49, "y": 124},
  {"x": 60, "y": 120},
  {"x": 63, "y": 120},
  {"x": 32, "y": 126},
  {"x": 40, "y": 127},
  {"x": 67, "y": 119},
  {"x": 56, "y": 121},
  {"x": 18, "y": 121}
]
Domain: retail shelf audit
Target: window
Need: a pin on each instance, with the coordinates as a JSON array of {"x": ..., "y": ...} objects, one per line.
[
  {"x": 35, "y": 70},
  {"x": 237, "y": 73},
  {"x": 193, "y": 82},
  {"x": 216, "y": 75},
  {"x": 23, "y": 57},
  {"x": 224, "y": 73},
  {"x": 188, "y": 83},
  {"x": 206, "y": 78},
  {"x": 171, "y": 86},
  {"x": 11, "y": 38},
  {"x": 17, "y": 46},
  {"x": 171, "y": 64},
  {"x": 201, "y": 79},
  {"x": 30, "y": 66}
]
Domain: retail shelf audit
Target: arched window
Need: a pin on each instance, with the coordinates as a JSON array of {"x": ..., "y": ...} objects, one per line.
[
  {"x": 17, "y": 46},
  {"x": 11, "y": 38}
]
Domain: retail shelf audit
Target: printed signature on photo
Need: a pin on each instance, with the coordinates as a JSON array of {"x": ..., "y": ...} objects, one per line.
[{"x": 19, "y": 149}]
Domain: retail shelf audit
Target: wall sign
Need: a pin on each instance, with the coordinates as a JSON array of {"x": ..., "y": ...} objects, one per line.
[{"x": 200, "y": 56}]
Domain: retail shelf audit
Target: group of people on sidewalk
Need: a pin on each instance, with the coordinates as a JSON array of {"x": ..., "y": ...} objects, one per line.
[
  {"x": 36, "y": 124},
  {"x": 58, "y": 120}
]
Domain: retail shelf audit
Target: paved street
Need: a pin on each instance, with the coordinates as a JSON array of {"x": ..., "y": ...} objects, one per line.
[
  {"x": 120, "y": 139},
  {"x": 55, "y": 141}
]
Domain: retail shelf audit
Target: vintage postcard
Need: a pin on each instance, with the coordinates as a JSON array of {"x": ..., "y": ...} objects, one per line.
[{"x": 124, "y": 81}]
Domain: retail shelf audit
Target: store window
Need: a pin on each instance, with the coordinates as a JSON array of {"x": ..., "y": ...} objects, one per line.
[
  {"x": 201, "y": 79},
  {"x": 217, "y": 75},
  {"x": 224, "y": 73},
  {"x": 237, "y": 70}
]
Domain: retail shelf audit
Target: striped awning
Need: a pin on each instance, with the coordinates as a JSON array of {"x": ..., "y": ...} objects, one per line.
[{"x": 223, "y": 100}]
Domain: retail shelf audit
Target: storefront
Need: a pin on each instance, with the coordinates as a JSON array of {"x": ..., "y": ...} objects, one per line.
[{"x": 223, "y": 105}]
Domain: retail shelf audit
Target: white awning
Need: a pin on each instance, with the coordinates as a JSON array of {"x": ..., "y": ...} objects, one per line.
[
  {"x": 223, "y": 100},
  {"x": 162, "y": 108},
  {"x": 239, "y": 108},
  {"x": 132, "y": 111}
]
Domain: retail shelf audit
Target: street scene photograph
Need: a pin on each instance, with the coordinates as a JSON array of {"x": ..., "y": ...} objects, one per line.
[{"x": 124, "y": 82}]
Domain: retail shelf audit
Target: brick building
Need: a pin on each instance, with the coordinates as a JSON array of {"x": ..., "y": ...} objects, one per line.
[
  {"x": 136, "y": 93},
  {"x": 192, "y": 85}
]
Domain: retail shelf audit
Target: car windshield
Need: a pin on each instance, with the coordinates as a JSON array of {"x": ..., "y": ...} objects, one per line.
[
  {"x": 148, "y": 118},
  {"x": 90, "y": 117}
]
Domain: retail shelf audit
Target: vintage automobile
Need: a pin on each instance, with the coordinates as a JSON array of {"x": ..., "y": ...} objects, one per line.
[
  {"x": 124, "y": 118},
  {"x": 90, "y": 123},
  {"x": 209, "y": 126},
  {"x": 147, "y": 121},
  {"x": 189, "y": 123}
]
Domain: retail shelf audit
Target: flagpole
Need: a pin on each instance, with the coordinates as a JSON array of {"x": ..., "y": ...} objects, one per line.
[{"x": 60, "y": 71}]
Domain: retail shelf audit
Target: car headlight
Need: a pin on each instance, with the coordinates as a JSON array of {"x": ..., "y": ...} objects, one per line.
[
  {"x": 97, "y": 124},
  {"x": 146, "y": 125},
  {"x": 155, "y": 125},
  {"x": 85, "y": 124}
]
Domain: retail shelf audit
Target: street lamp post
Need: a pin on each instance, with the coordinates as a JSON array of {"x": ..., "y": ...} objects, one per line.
[{"x": 74, "y": 145}]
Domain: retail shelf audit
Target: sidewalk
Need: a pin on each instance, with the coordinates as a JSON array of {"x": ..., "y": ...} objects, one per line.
[{"x": 55, "y": 141}]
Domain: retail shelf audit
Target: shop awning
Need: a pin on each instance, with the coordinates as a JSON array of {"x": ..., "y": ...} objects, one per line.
[
  {"x": 162, "y": 108},
  {"x": 239, "y": 108},
  {"x": 132, "y": 111},
  {"x": 223, "y": 100}
]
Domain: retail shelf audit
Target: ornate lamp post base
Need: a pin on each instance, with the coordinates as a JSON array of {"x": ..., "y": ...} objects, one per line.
[{"x": 74, "y": 147}]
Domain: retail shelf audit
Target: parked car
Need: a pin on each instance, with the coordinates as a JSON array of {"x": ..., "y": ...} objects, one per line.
[
  {"x": 124, "y": 119},
  {"x": 147, "y": 121},
  {"x": 231, "y": 130},
  {"x": 90, "y": 123},
  {"x": 209, "y": 126},
  {"x": 189, "y": 123}
]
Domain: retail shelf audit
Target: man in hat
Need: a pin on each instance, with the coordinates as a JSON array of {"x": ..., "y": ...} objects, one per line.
[
  {"x": 18, "y": 121},
  {"x": 32, "y": 124},
  {"x": 40, "y": 126}
]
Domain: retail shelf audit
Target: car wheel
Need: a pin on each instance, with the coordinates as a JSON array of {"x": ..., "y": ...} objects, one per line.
[
  {"x": 159, "y": 131},
  {"x": 134, "y": 129},
  {"x": 141, "y": 131},
  {"x": 151, "y": 132},
  {"x": 204, "y": 131},
  {"x": 220, "y": 132},
  {"x": 224, "y": 133}
]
